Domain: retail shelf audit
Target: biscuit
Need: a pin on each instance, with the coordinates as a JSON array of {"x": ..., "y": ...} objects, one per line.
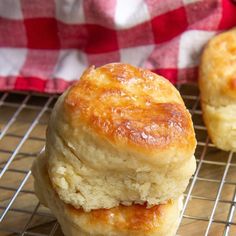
[
  {"x": 160, "y": 220},
  {"x": 217, "y": 83},
  {"x": 120, "y": 135}
]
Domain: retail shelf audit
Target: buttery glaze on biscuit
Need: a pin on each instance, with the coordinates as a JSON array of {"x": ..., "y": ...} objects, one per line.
[
  {"x": 134, "y": 218},
  {"x": 125, "y": 104}
]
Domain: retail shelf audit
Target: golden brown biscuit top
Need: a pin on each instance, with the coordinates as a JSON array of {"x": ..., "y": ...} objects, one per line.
[
  {"x": 130, "y": 105},
  {"x": 218, "y": 69},
  {"x": 226, "y": 58},
  {"x": 134, "y": 218}
]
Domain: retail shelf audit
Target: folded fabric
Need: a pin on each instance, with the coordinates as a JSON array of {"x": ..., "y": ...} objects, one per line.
[{"x": 45, "y": 45}]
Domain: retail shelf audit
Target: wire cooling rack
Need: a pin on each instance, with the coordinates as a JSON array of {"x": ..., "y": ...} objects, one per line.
[{"x": 209, "y": 205}]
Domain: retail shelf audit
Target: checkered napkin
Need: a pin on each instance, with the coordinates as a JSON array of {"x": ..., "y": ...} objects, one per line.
[{"x": 45, "y": 45}]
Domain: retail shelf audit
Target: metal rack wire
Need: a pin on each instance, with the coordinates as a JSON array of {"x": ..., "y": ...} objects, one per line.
[{"x": 209, "y": 206}]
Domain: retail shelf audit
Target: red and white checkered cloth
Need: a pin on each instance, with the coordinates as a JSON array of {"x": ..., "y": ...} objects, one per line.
[{"x": 46, "y": 44}]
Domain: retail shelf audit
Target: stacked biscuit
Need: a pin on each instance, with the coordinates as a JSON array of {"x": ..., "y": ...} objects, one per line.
[{"x": 119, "y": 154}]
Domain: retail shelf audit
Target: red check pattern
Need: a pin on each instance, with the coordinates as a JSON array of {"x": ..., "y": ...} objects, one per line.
[{"x": 45, "y": 45}]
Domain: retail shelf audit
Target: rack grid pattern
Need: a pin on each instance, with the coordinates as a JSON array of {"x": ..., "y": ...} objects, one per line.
[{"x": 209, "y": 201}]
